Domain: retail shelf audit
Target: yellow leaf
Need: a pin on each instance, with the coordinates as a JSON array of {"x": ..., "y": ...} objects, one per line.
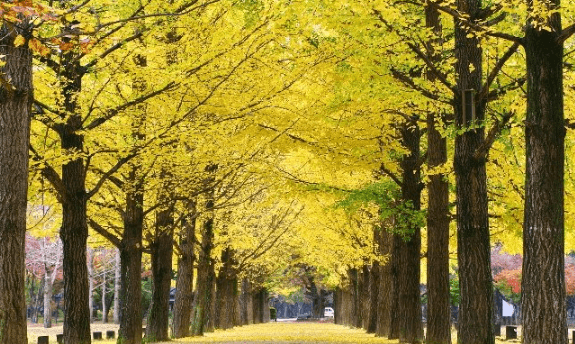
[
  {"x": 38, "y": 47},
  {"x": 19, "y": 40}
]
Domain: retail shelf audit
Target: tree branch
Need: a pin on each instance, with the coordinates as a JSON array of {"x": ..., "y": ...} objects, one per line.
[
  {"x": 431, "y": 66},
  {"x": 112, "y": 49},
  {"x": 483, "y": 150},
  {"x": 495, "y": 71},
  {"x": 113, "y": 112},
  {"x": 110, "y": 172},
  {"x": 384, "y": 171},
  {"x": 50, "y": 174},
  {"x": 104, "y": 232},
  {"x": 566, "y": 33},
  {"x": 478, "y": 28},
  {"x": 405, "y": 79},
  {"x": 428, "y": 62},
  {"x": 497, "y": 93}
]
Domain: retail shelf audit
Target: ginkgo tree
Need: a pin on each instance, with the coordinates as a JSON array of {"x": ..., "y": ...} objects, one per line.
[
  {"x": 253, "y": 120},
  {"x": 19, "y": 19}
]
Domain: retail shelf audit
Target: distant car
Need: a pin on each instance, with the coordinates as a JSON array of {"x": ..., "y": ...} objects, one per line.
[{"x": 328, "y": 312}]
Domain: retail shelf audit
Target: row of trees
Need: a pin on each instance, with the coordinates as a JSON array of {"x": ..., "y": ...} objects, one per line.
[
  {"x": 434, "y": 55},
  {"x": 146, "y": 170},
  {"x": 202, "y": 128}
]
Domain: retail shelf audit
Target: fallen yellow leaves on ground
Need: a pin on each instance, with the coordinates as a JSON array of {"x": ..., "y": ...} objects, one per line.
[
  {"x": 289, "y": 332},
  {"x": 296, "y": 333},
  {"x": 275, "y": 332}
]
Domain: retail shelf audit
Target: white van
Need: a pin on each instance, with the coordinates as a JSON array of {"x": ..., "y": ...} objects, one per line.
[{"x": 328, "y": 312}]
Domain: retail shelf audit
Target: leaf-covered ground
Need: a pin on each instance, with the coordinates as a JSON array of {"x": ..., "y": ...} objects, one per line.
[
  {"x": 295, "y": 333},
  {"x": 280, "y": 332},
  {"x": 289, "y": 332}
]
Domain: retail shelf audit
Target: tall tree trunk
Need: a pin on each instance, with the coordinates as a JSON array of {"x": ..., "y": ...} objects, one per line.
[
  {"x": 246, "y": 303},
  {"x": 410, "y": 325},
  {"x": 210, "y": 321},
  {"x": 47, "y": 301},
  {"x": 337, "y": 309},
  {"x": 473, "y": 249},
  {"x": 130, "y": 296},
  {"x": 321, "y": 302},
  {"x": 74, "y": 230},
  {"x": 184, "y": 284},
  {"x": 237, "y": 303},
  {"x": 265, "y": 306},
  {"x": 74, "y": 235},
  {"x": 543, "y": 297},
  {"x": 438, "y": 308},
  {"x": 90, "y": 258},
  {"x": 15, "y": 112},
  {"x": 205, "y": 281},
  {"x": 117, "y": 274},
  {"x": 314, "y": 293},
  {"x": 257, "y": 307},
  {"x": 104, "y": 291},
  {"x": 365, "y": 296},
  {"x": 38, "y": 300},
  {"x": 226, "y": 291},
  {"x": 355, "y": 315},
  {"x": 260, "y": 306},
  {"x": 374, "y": 294},
  {"x": 130, "y": 250},
  {"x": 347, "y": 305},
  {"x": 161, "y": 256},
  {"x": 394, "y": 291},
  {"x": 385, "y": 301}
]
